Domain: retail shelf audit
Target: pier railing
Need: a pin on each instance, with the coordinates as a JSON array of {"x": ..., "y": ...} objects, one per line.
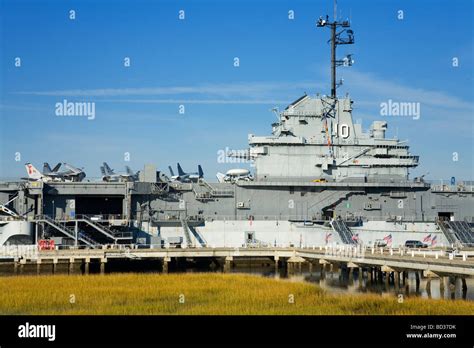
[{"x": 436, "y": 253}]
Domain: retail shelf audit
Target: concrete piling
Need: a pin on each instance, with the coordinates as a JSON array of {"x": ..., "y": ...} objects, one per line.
[
  {"x": 71, "y": 266},
  {"x": 417, "y": 281},
  {"x": 380, "y": 275},
  {"x": 441, "y": 287},
  {"x": 22, "y": 265},
  {"x": 428, "y": 287},
  {"x": 289, "y": 268},
  {"x": 166, "y": 261},
  {"x": 103, "y": 261},
  {"x": 86, "y": 265},
  {"x": 38, "y": 266},
  {"x": 228, "y": 264},
  {"x": 452, "y": 287},
  {"x": 323, "y": 271},
  {"x": 55, "y": 265},
  {"x": 464, "y": 284},
  {"x": 406, "y": 282},
  {"x": 464, "y": 288},
  {"x": 15, "y": 266}
]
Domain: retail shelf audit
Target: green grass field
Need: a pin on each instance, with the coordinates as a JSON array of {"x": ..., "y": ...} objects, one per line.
[{"x": 225, "y": 294}]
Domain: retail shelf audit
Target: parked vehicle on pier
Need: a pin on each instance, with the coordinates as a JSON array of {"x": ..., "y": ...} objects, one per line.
[{"x": 415, "y": 244}]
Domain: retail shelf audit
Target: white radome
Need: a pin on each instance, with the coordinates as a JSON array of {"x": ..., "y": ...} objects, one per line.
[{"x": 238, "y": 172}]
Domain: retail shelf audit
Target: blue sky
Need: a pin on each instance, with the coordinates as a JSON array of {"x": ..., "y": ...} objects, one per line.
[{"x": 190, "y": 62}]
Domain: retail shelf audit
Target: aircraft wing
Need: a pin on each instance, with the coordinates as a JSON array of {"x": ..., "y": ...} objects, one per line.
[{"x": 73, "y": 169}]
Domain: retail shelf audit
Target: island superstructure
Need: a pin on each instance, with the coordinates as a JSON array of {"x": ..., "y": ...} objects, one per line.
[{"x": 318, "y": 179}]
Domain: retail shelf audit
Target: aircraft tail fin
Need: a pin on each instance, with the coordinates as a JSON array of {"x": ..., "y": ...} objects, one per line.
[
  {"x": 108, "y": 170},
  {"x": 46, "y": 168},
  {"x": 220, "y": 177},
  {"x": 128, "y": 170},
  {"x": 171, "y": 170},
  {"x": 56, "y": 167},
  {"x": 102, "y": 170},
  {"x": 200, "y": 172},
  {"x": 33, "y": 173},
  {"x": 180, "y": 170}
]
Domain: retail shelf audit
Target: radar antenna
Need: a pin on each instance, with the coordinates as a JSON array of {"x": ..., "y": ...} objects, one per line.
[{"x": 343, "y": 37}]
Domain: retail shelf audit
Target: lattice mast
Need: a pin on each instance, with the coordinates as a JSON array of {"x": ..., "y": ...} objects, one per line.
[{"x": 343, "y": 37}]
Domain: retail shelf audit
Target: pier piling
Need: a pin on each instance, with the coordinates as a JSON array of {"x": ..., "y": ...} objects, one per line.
[
  {"x": 166, "y": 261},
  {"x": 417, "y": 281},
  {"x": 380, "y": 275},
  {"x": 228, "y": 264},
  {"x": 22, "y": 265},
  {"x": 464, "y": 288},
  {"x": 86, "y": 265},
  {"x": 441, "y": 287},
  {"x": 103, "y": 261},
  {"x": 428, "y": 287},
  {"x": 55, "y": 264},
  {"x": 71, "y": 266}
]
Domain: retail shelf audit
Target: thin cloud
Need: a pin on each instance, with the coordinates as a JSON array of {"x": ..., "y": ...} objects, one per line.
[
  {"x": 250, "y": 90},
  {"x": 196, "y": 101},
  {"x": 382, "y": 89}
]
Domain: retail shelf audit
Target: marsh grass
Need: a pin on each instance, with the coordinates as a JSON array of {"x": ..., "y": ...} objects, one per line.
[{"x": 224, "y": 294}]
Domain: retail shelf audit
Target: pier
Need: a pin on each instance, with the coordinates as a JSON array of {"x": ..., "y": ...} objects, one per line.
[{"x": 379, "y": 264}]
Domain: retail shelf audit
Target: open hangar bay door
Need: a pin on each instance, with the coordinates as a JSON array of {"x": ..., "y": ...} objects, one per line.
[{"x": 99, "y": 205}]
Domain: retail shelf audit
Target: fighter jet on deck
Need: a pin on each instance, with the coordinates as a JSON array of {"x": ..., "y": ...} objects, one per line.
[
  {"x": 186, "y": 177},
  {"x": 109, "y": 175},
  {"x": 72, "y": 174}
]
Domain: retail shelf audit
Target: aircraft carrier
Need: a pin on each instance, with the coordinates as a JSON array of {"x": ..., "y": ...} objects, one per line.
[{"x": 318, "y": 179}]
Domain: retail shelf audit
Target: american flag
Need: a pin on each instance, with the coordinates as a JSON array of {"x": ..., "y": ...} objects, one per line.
[
  {"x": 427, "y": 239},
  {"x": 388, "y": 239},
  {"x": 433, "y": 241},
  {"x": 328, "y": 236}
]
